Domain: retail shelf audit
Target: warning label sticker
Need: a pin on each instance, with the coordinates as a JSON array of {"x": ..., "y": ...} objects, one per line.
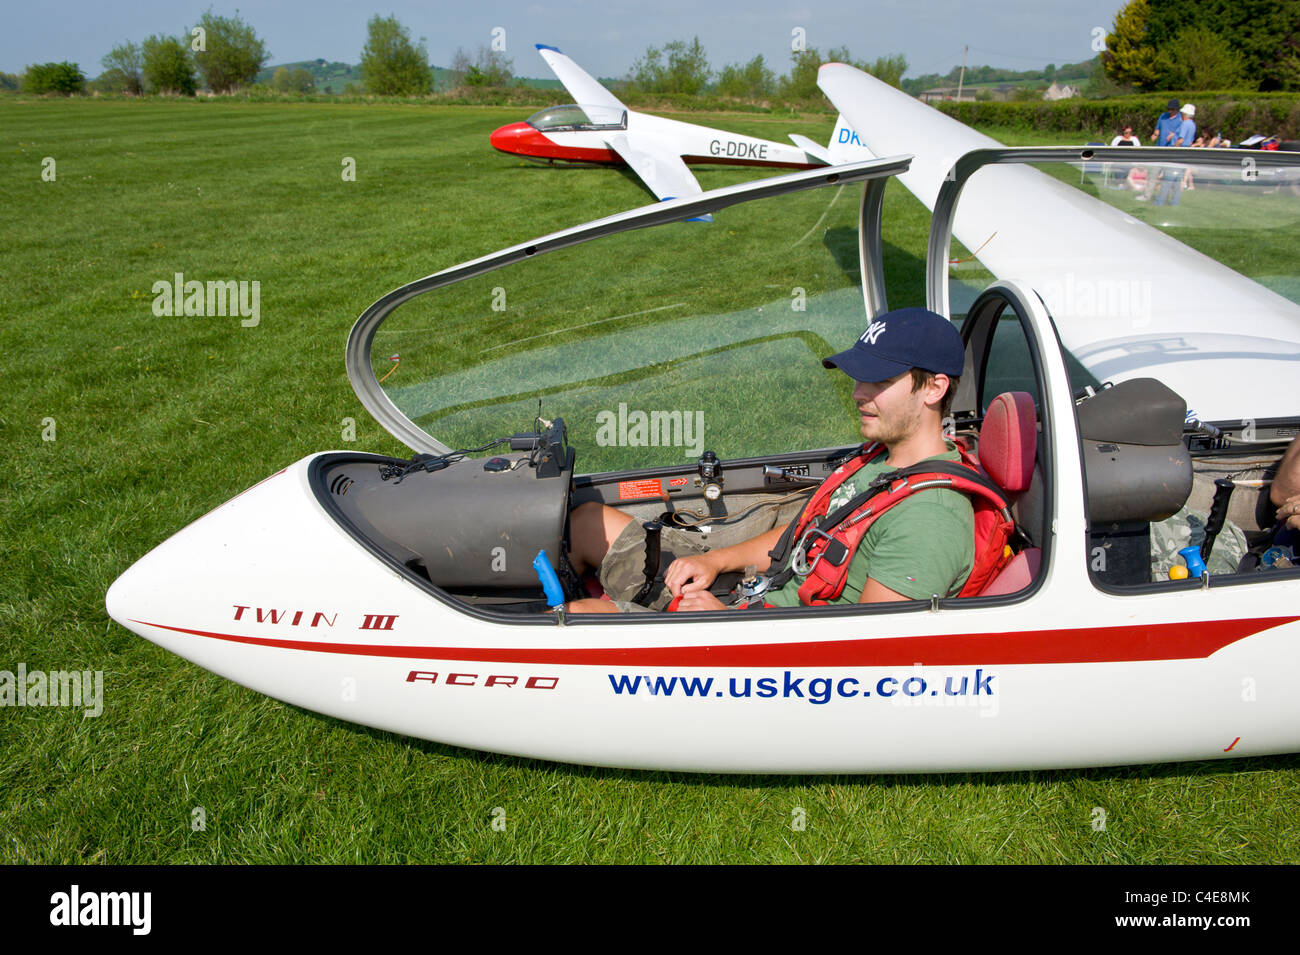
[{"x": 633, "y": 490}]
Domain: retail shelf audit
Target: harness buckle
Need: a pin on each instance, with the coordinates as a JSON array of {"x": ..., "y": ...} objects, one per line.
[{"x": 799, "y": 555}]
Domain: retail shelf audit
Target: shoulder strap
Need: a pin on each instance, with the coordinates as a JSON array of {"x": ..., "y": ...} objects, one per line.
[
  {"x": 838, "y": 534},
  {"x": 817, "y": 504}
]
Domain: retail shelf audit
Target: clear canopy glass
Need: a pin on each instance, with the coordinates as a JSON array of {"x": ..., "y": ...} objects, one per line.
[
  {"x": 653, "y": 345},
  {"x": 574, "y": 118}
]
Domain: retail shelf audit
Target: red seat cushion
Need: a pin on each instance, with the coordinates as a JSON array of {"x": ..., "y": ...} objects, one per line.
[
  {"x": 1017, "y": 575},
  {"x": 1009, "y": 441}
]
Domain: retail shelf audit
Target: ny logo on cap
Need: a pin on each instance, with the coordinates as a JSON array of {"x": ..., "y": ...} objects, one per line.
[{"x": 872, "y": 333}]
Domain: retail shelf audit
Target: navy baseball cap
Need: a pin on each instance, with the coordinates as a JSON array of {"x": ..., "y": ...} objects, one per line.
[
  {"x": 899, "y": 341},
  {"x": 1173, "y": 104}
]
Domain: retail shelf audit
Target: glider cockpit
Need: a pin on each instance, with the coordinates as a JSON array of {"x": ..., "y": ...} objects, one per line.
[
  {"x": 690, "y": 387},
  {"x": 571, "y": 118}
]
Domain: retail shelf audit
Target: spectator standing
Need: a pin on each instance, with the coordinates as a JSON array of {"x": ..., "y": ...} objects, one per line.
[
  {"x": 1168, "y": 126},
  {"x": 1187, "y": 126},
  {"x": 1172, "y": 178}
]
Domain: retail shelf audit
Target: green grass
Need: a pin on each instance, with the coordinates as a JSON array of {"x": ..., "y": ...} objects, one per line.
[{"x": 158, "y": 420}]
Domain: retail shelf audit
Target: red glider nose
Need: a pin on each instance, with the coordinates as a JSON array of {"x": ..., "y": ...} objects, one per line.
[{"x": 520, "y": 139}]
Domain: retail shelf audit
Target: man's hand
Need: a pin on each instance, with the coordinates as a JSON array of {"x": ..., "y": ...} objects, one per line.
[
  {"x": 1289, "y": 511},
  {"x": 700, "y": 600},
  {"x": 689, "y": 574}
]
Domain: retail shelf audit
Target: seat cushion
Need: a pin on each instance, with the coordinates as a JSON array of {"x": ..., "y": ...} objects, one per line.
[{"x": 1009, "y": 441}]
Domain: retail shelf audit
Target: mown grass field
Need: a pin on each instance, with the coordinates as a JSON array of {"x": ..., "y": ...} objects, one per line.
[{"x": 157, "y": 420}]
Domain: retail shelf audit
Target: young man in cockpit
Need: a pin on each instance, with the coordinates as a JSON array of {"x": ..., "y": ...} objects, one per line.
[{"x": 907, "y": 366}]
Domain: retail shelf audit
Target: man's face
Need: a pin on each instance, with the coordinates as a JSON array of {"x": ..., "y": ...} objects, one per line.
[{"x": 890, "y": 411}]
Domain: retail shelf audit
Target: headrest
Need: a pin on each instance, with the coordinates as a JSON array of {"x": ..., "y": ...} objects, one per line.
[{"x": 1009, "y": 441}]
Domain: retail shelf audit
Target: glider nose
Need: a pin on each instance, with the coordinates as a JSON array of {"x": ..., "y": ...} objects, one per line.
[{"x": 520, "y": 139}]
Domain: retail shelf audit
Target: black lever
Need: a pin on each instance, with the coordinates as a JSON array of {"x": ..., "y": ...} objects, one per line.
[
  {"x": 652, "y": 532},
  {"x": 1223, "y": 488}
]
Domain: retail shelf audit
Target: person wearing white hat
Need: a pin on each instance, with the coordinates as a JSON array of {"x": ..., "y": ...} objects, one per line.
[
  {"x": 1187, "y": 129},
  {"x": 1172, "y": 180}
]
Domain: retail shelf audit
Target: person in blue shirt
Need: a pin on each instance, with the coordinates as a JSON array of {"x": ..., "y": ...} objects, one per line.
[
  {"x": 1171, "y": 179},
  {"x": 1187, "y": 126},
  {"x": 1168, "y": 126}
]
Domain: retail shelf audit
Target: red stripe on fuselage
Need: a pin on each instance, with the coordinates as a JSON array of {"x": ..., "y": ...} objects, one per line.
[{"x": 1165, "y": 641}]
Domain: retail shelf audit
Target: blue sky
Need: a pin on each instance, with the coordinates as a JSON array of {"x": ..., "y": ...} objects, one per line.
[{"x": 605, "y": 37}]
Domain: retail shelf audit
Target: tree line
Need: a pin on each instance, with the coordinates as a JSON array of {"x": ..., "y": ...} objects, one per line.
[
  {"x": 1185, "y": 45},
  {"x": 224, "y": 54},
  {"x": 1205, "y": 45}
]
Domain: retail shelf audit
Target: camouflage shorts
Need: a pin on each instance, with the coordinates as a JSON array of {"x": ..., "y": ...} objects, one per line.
[
  {"x": 622, "y": 572},
  {"x": 1187, "y": 529}
]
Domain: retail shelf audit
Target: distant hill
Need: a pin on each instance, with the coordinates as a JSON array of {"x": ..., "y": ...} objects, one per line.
[
  {"x": 329, "y": 77},
  {"x": 989, "y": 77},
  {"x": 334, "y": 77}
]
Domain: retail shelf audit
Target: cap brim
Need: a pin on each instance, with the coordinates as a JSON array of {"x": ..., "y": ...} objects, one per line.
[{"x": 861, "y": 367}]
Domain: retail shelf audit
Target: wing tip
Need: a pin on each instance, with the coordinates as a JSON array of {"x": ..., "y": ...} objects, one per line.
[{"x": 547, "y": 46}]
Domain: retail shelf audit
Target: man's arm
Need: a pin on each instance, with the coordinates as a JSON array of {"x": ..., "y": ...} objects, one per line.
[
  {"x": 1286, "y": 483},
  {"x": 876, "y": 592},
  {"x": 695, "y": 573}
]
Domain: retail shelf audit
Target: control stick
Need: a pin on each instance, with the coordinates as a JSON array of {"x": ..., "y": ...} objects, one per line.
[
  {"x": 652, "y": 532},
  {"x": 1223, "y": 488}
]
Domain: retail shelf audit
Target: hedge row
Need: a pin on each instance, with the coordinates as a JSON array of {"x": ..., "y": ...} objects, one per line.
[{"x": 1238, "y": 115}]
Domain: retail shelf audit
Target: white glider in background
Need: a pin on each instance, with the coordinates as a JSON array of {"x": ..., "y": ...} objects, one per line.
[
  {"x": 598, "y": 128},
  {"x": 1190, "y": 313}
]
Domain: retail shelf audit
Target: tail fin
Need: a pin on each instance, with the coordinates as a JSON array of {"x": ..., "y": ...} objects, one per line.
[{"x": 846, "y": 145}]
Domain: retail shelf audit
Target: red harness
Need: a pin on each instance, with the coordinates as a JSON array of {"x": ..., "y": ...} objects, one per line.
[{"x": 819, "y": 546}]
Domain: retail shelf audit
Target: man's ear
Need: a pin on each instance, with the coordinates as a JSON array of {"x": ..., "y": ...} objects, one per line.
[{"x": 939, "y": 385}]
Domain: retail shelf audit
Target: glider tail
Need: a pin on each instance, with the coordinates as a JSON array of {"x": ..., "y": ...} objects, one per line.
[{"x": 846, "y": 145}]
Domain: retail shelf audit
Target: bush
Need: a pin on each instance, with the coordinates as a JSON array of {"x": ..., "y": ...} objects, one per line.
[
  {"x": 65, "y": 78},
  {"x": 122, "y": 67},
  {"x": 390, "y": 64},
  {"x": 685, "y": 70},
  {"x": 232, "y": 53},
  {"x": 167, "y": 66},
  {"x": 753, "y": 80}
]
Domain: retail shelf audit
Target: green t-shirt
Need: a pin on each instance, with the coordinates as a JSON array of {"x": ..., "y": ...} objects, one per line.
[{"x": 921, "y": 546}]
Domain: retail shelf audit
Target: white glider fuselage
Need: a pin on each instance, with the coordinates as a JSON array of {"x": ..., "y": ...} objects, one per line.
[{"x": 693, "y": 143}]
